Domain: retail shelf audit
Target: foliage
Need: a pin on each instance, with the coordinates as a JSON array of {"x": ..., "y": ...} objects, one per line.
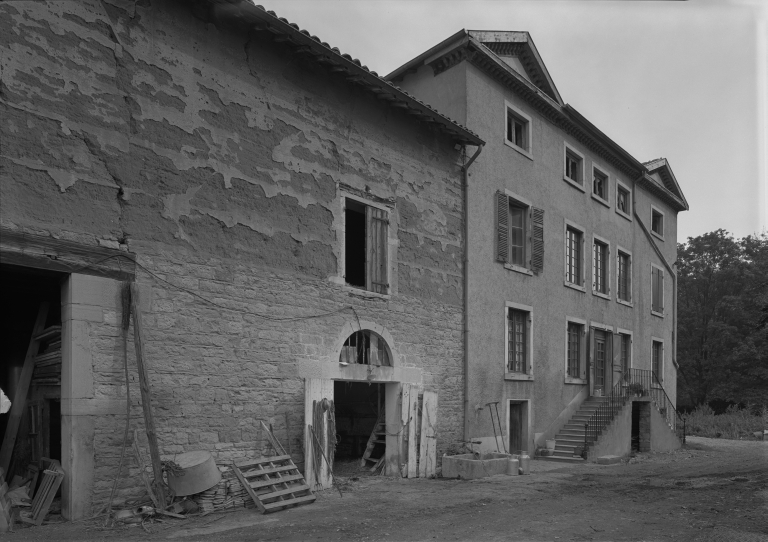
[
  {"x": 722, "y": 310},
  {"x": 735, "y": 423}
]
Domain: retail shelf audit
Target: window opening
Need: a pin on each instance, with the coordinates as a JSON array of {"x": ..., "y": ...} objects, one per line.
[
  {"x": 600, "y": 267},
  {"x": 599, "y": 358},
  {"x": 624, "y": 277},
  {"x": 573, "y": 167},
  {"x": 365, "y": 246},
  {"x": 573, "y": 256},
  {"x": 518, "y": 338},
  {"x": 622, "y": 200},
  {"x": 574, "y": 350},
  {"x": 600, "y": 184},
  {"x": 626, "y": 342},
  {"x": 517, "y": 230},
  {"x": 657, "y": 222},
  {"x": 365, "y": 348},
  {"x": 517, "y": 130},
  {"x": 657, "y": 357}
]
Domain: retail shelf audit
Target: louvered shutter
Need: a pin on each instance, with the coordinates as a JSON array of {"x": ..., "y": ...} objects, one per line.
[
  {"x": 377, "y": 242},
  {"x": 502, "y": 227},
  {"x": 537, "y": 240}
]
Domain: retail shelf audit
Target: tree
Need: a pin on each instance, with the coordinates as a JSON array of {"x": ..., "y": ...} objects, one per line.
[{"x": 722, "y": 318}]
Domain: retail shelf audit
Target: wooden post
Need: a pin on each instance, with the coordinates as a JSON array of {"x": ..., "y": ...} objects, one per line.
[
  {"x": 22, "y": 387},
  {"x": 146, "y": 402}
]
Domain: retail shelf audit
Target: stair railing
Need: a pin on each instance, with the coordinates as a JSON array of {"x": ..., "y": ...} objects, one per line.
[
  {"x": 666, "y": 408},
  {"x": 605, "y": 412}
]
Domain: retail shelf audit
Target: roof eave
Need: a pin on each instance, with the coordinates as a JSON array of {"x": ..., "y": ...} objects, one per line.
[{"x": 418, "y": 61}]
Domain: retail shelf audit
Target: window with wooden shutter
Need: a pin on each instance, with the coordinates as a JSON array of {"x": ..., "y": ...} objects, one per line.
[
  {"x": 502, "y": 227},
  {"x": 366, "y": 239},
  {"x": 537, "y": 240}
]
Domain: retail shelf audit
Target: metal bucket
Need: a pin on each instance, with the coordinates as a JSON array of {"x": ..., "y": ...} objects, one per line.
[
  {"x": 512, "y": 467},
  {"x": 525, "y": 467},
  {"x": 200, "y": 473}
]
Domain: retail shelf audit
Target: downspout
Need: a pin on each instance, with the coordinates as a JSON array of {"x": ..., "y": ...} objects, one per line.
[
  {"x": 465, "y": 169},
  {"x": 666, "y": 264}
]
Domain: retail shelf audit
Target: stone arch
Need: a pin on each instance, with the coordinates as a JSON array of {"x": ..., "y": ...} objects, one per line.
[{"x": 350, "y": 328}]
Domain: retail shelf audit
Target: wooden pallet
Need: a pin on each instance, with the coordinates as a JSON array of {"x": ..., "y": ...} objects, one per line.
[
  {"x": 273, "y": 483},
  {"x": 52, "y": 478}
]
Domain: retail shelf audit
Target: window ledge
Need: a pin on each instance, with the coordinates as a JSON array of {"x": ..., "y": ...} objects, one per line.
[
  {"x": 601, "y": 294},
  {"x": 365, "y": 294},
  {"x": 571, "y": 380},
  {"x": 622, "y": 213},
  {"x": 625, "y": 303},
  {"x": 574, "y": 183},
  {"x": 600, "y": 200},
  {"x": 581, "y": 289},
  {"x": 519, "y": 149},
  {"x": 518, "y": 376},
  {"x": 519, "y": 269},
  {"x": 659, "y": 314},
  {"x": 657, "y": 236}
]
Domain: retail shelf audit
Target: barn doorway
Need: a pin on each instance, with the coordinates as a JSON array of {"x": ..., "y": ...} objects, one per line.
[
  {"x": 32, "y": 430},
  {"x": 517, "y": 426},
  {"x": 360, "y": 428}
]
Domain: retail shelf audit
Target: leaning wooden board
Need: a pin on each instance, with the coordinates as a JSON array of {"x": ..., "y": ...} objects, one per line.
[
  {"x": 52, "y": 478},
  {"x": 273, "y": 483}
]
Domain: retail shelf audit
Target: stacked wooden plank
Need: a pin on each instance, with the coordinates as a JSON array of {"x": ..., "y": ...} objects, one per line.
[
  {"x": 48, "y": 362},
  {"x": 273, "y": 483}
]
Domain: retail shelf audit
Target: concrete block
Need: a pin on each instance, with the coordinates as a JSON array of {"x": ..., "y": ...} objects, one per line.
[{"x": 609, "y": 460}]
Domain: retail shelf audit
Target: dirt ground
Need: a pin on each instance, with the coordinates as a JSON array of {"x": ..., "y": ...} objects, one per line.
[{"x": 712, "y": 490}]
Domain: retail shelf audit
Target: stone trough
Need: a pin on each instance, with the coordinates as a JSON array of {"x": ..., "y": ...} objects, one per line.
[{"x": 469, "y": 466}]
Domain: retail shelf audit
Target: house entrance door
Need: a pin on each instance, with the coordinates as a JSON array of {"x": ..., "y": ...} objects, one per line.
[{"x": 515, "y": 427}]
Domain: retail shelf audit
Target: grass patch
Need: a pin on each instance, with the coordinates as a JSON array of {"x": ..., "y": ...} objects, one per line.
[{"x": 734, "y": 424}]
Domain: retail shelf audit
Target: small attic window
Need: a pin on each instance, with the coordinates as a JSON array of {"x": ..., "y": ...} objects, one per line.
[
  {"x": 518, "y": 130},
  {"x": 657, "y": 222}
]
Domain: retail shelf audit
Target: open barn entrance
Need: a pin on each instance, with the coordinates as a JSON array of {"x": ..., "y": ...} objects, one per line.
[
  {"x": 30, "y": 335},
  {"x": 360, "y": 428}
]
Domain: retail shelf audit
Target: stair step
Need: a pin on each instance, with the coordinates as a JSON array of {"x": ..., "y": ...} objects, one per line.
[
  {"x": 569, "y": 441},
  {"x": 560, "y": 453},
  {"x": 561, "y": 459}
]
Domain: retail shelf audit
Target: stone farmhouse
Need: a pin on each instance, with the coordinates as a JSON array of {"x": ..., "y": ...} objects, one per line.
[
  {"x": 572, "y": 244},
  {"x": 294, "y": 224}
]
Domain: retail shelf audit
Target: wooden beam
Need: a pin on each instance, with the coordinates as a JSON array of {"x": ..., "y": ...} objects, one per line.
[
  {"x": 146, "y": 400},
  {"x": 41, "y": 252},
  {"x": 22, "y": 387}
]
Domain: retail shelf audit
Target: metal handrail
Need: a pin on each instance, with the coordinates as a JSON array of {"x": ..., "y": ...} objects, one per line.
[{"x": 638, "y": 382}]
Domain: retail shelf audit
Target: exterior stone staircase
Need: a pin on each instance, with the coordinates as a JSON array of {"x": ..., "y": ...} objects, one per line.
[{"x": 571, "y": 436}]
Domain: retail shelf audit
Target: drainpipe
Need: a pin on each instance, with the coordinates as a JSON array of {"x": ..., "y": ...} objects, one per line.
[
  {"x": 666, "y": 264},
  {"x": 465, "y": 169}
]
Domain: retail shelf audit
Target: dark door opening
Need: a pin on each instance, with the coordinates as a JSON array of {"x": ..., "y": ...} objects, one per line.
[
  {"x": 641, "y": 426},
  {"x": 360, "y": 428},
  {"x": 22, "y": 291},
  {"x": 516, "y": 428},
  {"x": 354, "y": 243}
]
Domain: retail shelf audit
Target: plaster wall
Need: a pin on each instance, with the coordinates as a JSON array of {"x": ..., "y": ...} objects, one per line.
[
  {"x": 538, "y": 178},
  {"x": 616, "y": 439},
  {"x": 220, "y": 159},
  {"x": 663, "y": 438}
]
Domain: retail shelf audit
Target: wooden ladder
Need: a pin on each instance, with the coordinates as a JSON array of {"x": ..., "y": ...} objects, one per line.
[
  {"x": 378, "y": 436},
  {"x": 273, "y": 483}
]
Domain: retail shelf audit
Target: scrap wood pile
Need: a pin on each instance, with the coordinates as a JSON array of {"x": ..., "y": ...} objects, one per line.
[{"x": 29, "y": 498}]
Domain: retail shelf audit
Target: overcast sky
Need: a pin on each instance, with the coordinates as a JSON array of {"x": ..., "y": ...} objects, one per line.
[{"x": 682, "y": 80}]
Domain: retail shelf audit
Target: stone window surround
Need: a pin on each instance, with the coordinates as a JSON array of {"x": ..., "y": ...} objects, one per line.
[
  {"x": 621, "y": 250},
  {"x": 582, "y": 349},
  {"x": 566, "y": 149},
  {"x": 655, "y": 209},
  {"x": 607, "y": 278},
  {"x": 628, "y": 216},
  {"x": 606, "y": 186},
  {"x": 528, "y": 152},
  {"x": 661, "y": 285},
  {"x": 570, "y": 224},
  {"x": 508, "y": 375},
  {"x": 391, "y": 249}
]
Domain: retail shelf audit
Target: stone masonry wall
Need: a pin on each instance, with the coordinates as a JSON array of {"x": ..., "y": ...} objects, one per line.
[{"x": 218, "y": 157}]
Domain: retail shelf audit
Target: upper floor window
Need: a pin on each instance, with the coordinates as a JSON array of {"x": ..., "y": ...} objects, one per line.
[
  {"x": 573, "y": 256},
  {"x": 657, "y": 290},
  {"x": 365, "y": 246},
  {"x": 657, "y": 222},
  {"x": 600, "y": 268},
  {"x": 519, "y": 356},
  {"x": 623, "y": 200},
  {"x": 574, "y": 167},
  {"x": 518, "y": 130},
  {"x": 366, "y": 348},
  {"x": 599, "y": 184},
  {"x": 520, "y": 233},
  {"x": 624, "y": 276}
]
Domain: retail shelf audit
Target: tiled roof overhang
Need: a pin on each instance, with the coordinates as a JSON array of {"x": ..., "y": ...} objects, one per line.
[
  {"x": 302, "y": 42},
  {"x": 462, "y": 46}
]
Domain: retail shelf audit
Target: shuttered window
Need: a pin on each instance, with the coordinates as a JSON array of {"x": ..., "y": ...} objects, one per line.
[
  {"x": 657, "y": 290},
  {"x": 517, "y": 332},
  {"x": 366, "y": 243},
  {"x": 519, "y": 233}
]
